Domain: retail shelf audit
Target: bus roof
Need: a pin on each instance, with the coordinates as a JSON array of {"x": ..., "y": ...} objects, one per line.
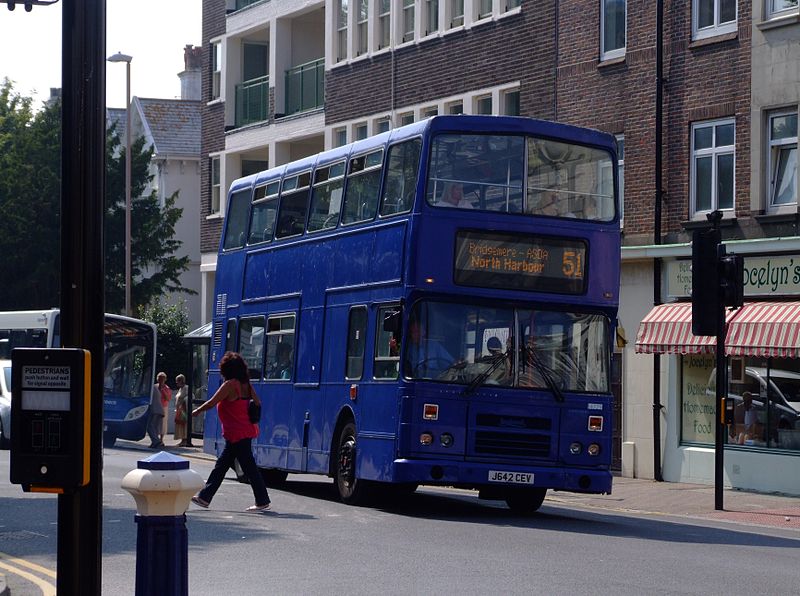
[
  {"x": 434, "y": 125},
  {"x": 27, "y": 319}
]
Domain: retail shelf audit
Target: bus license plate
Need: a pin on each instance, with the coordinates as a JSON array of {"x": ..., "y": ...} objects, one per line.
[{"x": 510, "y": 477}]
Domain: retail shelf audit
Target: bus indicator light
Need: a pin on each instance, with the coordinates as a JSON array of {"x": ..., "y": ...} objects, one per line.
[
  {"x": 353, "y": 392},
  {"x": 430, "y": 412},
  {"x": 596, "y": 423},
  {"x": 429, "y": 280},
  {"x": 593, "y": 450}
]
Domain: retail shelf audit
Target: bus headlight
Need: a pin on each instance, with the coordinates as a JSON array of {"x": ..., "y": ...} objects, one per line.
[
  {"x": 446, "y": 440},
  {"x": 136, "y": 412},
  {"x": 575, "y": 448},
  {"x": 426, "y": 439},
  {"x": 593, "y": 449}
]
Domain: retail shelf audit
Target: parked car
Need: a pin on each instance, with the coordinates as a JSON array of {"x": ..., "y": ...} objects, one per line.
[
  {"x": 5, "y": 404},
  {"x": 783, "y": 417}
]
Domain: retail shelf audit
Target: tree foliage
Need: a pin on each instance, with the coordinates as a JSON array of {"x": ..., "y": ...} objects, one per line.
[
  {"x": 172, "y": 321},
  {"x": 30, "y": 204}
]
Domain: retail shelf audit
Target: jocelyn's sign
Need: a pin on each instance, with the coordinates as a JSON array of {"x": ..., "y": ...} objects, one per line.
[{"x": 763, "y": 276}]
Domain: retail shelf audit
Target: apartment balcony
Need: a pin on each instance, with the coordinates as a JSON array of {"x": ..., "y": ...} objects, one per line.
[
  {"x": 305, "y": 87},
  {"x": 240, "y": 4},
  {"x": 252, "y": 101}
]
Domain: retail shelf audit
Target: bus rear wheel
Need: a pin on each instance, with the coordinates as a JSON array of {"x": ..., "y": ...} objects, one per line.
[
  {"x": 351, "y": 490},
  {"x": 273, "y": 477},
  {"x": 526, "y": 502}
]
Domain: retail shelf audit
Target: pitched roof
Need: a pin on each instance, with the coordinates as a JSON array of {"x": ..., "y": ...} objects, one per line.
[
  {"x": 116, "y": 116},
  {"x": 173, "y": 125}
]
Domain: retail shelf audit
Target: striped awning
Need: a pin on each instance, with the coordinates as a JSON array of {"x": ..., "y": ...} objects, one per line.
[
  {"x": 667, "y": 329},
  {"x": 765, "y": 329}
]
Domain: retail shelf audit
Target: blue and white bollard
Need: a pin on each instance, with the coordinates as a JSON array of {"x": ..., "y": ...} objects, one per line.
[{"x": 162, "y": 486}]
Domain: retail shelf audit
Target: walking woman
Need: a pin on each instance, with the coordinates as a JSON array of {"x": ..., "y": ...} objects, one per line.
[{"x": 231, "y": 400}]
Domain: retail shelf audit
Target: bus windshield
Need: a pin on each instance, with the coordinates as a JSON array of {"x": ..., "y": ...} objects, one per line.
[
  {"x": 515, "y": 174},
  {"x": 128, "y": 359},
  {"x": 523, "y": 348}
]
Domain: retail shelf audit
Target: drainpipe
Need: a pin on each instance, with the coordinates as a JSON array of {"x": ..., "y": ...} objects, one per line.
[{"x": 657, "y": 234}]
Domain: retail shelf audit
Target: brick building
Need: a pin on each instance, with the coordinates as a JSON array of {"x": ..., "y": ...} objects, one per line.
[{"x": 283, "y": 80}]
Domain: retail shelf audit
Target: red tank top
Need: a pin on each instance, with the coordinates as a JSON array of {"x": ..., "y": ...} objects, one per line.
[{"x": 233, "y": 416}]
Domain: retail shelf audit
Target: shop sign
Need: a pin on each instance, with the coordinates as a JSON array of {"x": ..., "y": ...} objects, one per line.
[
  {"x": 698, "y": 402},
  {"x": 763, "y": 276}
]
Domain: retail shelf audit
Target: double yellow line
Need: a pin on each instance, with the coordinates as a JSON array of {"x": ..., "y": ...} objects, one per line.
[{"x": 20, "y": 568}]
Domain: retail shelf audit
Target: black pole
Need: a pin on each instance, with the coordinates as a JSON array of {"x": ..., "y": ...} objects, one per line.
[
  {"x": 82, "y": 305},
  {"x": 189, "y": 394},
  {"x": 722, "y": 391},
  {"x": 657, "y": 234}
]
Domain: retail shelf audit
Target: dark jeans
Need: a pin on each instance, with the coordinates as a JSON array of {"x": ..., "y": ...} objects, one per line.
[
  {"x": 243, "y": 451},
  {"x": 154, "y": 424}
]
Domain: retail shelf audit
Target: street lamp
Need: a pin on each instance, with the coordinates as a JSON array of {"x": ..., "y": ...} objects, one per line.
[{"x": 120, "y": 57}]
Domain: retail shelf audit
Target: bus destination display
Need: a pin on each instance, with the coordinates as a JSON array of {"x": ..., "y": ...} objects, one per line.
[{"x": 520, "y": 262}]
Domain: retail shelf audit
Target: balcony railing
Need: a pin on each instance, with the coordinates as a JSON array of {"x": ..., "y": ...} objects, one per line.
[
  {"x": 252, "y": 101},
  {"x": 240, "y": 4},
  {"x": 305, "y": 87}
]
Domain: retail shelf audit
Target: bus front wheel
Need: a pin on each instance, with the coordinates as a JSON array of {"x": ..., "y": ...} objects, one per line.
[
  {"x": 351, "y": 490},
  {"x": 526, "y": 502}
]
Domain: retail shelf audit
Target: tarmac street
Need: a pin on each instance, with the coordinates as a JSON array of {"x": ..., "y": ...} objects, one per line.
[{"x": 437, "y": 539}]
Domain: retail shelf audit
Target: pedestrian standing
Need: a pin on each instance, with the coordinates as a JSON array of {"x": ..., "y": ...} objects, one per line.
[
  {"x": 166, "y": 395},
  {"x": 181, "y": 410},
  {"x": 231, "y": 400},
  {"x": 155, "y": 421}
]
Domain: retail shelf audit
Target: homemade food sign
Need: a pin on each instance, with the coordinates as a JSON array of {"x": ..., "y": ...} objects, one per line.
[
  {"x": 763, "y": 276},
  {"x": 520, "y": 262}
]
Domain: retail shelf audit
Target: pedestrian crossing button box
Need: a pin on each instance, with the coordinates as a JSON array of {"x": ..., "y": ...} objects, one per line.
[{"x": 50, "y": 418}]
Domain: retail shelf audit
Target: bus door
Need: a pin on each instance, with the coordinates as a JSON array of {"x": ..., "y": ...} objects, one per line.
[
  {"x": 306, "y": 416},
  {"x": 277, "y": 388}
]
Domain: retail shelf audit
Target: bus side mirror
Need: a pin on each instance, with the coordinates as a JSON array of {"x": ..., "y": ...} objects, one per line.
[{"x": 391, "y": 321}]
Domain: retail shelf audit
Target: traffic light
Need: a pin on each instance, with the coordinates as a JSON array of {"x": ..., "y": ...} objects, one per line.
[
  {"x": 732, "y": 280},
  {"x": 705, "y": 282}
]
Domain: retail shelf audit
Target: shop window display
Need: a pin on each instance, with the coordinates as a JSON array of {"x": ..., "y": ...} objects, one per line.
[{"x": 766, "y": 397}]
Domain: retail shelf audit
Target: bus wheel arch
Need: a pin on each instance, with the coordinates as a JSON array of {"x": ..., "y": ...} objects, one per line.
[{"x": 352, "y": 490}]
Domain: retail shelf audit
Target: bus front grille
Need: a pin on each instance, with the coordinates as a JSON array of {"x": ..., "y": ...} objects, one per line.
[{"x": 512, "y": 444}]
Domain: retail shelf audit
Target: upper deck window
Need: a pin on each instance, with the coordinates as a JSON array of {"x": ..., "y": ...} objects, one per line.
[
  {"x": 490, "y": 172},
  {"x": 477, "y": 172},
  {"x": 401, "y": 177},
  {"x": 294, "y": 205},
  {"x": 265, "y": 206},
  {"x": 238, "y": 215},
  {"x": 326, "y": 197},
  {"x": 363, "y": 187},
  {"x": 566, "y": 180}
]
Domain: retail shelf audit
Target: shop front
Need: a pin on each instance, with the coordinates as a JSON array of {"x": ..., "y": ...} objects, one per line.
[{"x": 762, "y": 346}]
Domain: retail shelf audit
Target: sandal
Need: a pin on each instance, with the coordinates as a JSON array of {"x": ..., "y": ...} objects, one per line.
[
  {"x": 198, "y": 501},
  {"x": 258, "y": 507}
]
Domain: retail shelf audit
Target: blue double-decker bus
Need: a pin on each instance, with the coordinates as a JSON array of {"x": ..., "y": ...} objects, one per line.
[{"x": 430, "y": 306}]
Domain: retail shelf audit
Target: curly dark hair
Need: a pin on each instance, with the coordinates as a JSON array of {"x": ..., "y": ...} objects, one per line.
[{"x": 233, "y": 366}]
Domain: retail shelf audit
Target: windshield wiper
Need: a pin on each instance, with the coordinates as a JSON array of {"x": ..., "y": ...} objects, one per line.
[
  {"x": 481, "y": 378},
  {"x": 545, "y": 372}
]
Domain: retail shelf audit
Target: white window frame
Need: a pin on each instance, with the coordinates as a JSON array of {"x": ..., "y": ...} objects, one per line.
[
  {"x": 614, "y": 52},
  {"x": 362, "y": 28},
  {"x": 216, "y": 70},
  {"x": 781, "y": 11},
  {"x": 405, "y": 118},
  {"x": 215, "y": 202},
  {"x": 480, "y": 9},
  {"x": 717, "y": 28},
  {"x": 714, "y": 152},
  {"x": 455, "y": 13},
  {"x": 476, "y": 103},
  {"x": 383, "y": 122},
  {"x": 512, "y": 5},
  {"x": 336, "y": 136},
  {"x": 357, "y": 128},
  {"x": 408, "y": 9},
  {"x": 383, "y": 24},
  {"x": 774, "y": 148},
  {"x": 504, "y": 94},
  {"x": 431, "y": 7},
  {"x": 342, "y": 6}
]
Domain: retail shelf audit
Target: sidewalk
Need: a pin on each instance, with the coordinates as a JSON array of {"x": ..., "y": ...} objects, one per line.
[
  {"x": 639, "y": 496},
  {"x": 691, "y": 500}
]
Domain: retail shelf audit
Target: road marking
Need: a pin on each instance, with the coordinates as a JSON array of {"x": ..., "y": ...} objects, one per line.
[
  {"x": 47, "y": 589},
  {"x": 28, "y": 564}
]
